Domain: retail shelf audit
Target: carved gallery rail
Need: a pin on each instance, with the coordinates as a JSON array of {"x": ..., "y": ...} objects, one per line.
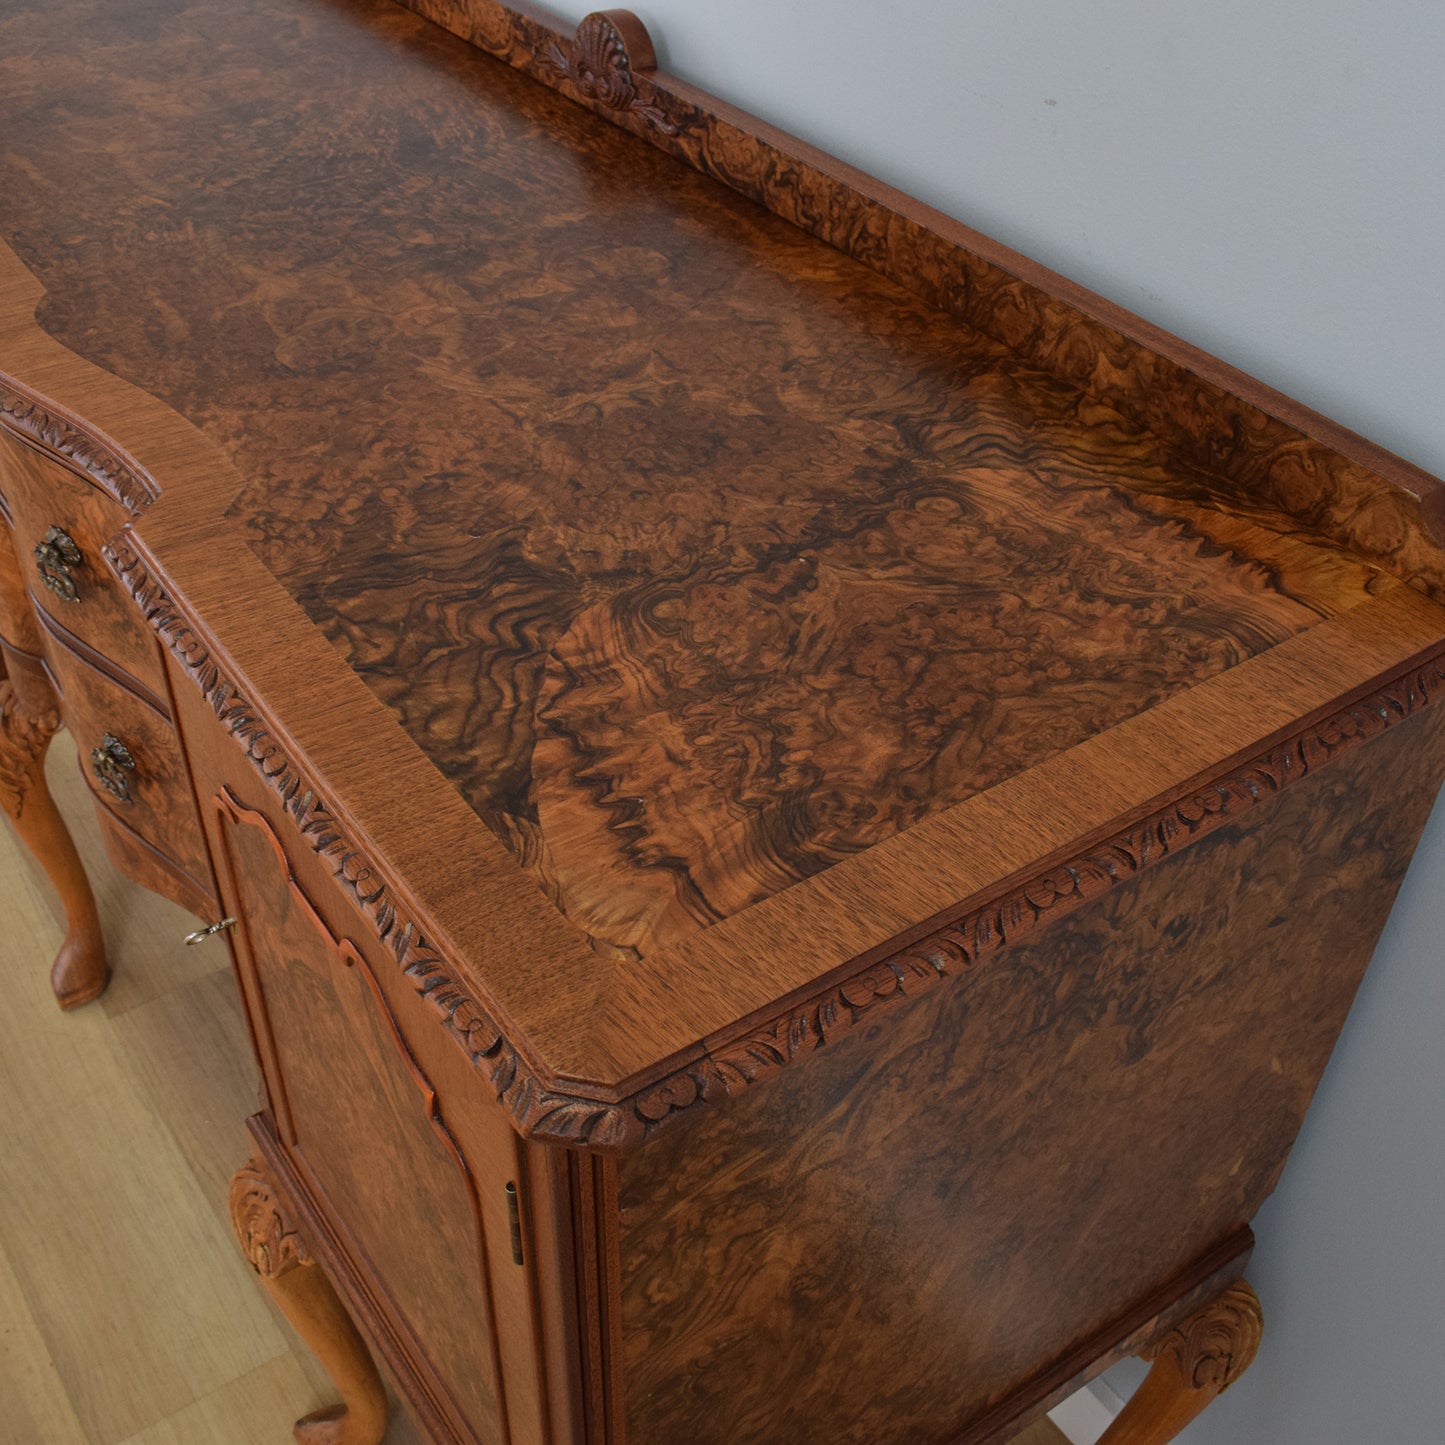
[{"x": 725, "y": 719}]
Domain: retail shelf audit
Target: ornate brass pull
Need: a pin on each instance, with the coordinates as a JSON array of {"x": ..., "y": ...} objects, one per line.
[
  {"x": 55, "y": 556},
  {"x": 202, "y": 934},
  {"x": 110, "y": 763}
]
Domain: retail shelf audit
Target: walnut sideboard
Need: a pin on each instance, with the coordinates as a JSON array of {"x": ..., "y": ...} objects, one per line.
[{"x": 727, "y": 720}]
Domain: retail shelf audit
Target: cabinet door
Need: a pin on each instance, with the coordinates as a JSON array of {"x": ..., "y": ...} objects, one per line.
[{"x": 416, "y": 1194}]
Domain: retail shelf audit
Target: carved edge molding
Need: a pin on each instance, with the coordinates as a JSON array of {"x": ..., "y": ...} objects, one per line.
[
  {"x": 1217, "y": 1344},
  {"x": 538, "y": 1112},
  {"x": 604, "y": 65},
  {"x": 58, "y": 432},
  {"x": 961, "y": 946},
  {"x": 271, "y": 1247},
  {"x": 1220, "y": 422},
  {"x": 733, "y": 1066}
]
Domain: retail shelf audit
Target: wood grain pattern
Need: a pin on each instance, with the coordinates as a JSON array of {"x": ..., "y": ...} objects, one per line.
[
  {"x": 1263, "y": 446},
  {"x": 786, "y": 438},
  {"x": 42, "y": 494},
  {"x": 119, "y": 1282},
  {"x": 810, "y": 625},
  {"x": 980, "y": 934},
  {"x": 150, "y": 1085},
  {"x": 160, "y": 804},
  {"x": 55, "y": 430},
  {"x": 1041, "y": 1432},
  {"x": 938, "y": 1183},
  {"x": 544, "y": 1112}
]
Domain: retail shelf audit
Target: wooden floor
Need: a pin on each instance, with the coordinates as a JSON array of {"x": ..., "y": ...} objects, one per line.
[
  {"x": 127, "y": 1316},
  {"x": 126, "y": 1311}
]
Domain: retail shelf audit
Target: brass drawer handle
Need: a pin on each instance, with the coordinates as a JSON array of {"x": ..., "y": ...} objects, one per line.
[
  {"x": 55, "y": 556},
  {"x": 202, "y": 934},
  {"x": 110, "y": 763}
]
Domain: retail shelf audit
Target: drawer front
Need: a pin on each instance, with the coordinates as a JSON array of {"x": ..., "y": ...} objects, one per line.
[
  {"x": 131, "y": 757},
  {"x": 69, "y": 521}
]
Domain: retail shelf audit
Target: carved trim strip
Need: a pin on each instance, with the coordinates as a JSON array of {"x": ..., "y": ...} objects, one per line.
[
  {"x": 1221, "y": 422},
  {"x": 537, "y": 1110},
  {"x": 730, "y": 1068},
  {"x": 961, "y": 946},
  {"x": 58, "y": 432},
  {"x": 269, "y": 1244},
  {"x": 600, "y": 66}
]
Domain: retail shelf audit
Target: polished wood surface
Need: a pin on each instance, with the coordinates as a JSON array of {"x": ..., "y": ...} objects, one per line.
[
  {"x": 74, "y": 648},
  {"x": 1151, "y": 1046},
  {"x": 1263, "y": 446},
  {"x": 731, "y": 720},
  {"x": 146, "y": 1080},
  {"x": 869, "y": 486},
  {"x": 572, "y": 1014},
  {"x": 94, "y": 616}
]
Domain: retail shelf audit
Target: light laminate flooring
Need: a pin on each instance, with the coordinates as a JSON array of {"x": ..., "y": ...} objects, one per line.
[{"x": 127, "y": 1315}]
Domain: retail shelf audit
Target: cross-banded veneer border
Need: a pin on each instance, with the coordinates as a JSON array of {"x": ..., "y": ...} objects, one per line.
[{"x": 729, "y": 1066}]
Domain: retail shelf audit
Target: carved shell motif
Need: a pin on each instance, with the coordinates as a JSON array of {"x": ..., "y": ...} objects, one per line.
[
  {"x": 1217, "y": 1344},
  {"x": 599, "y": 67},
  {"x": 270, "y": 1245}
]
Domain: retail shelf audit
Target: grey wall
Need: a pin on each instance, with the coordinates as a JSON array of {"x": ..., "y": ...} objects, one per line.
[{"x": 1267, "y": 179}]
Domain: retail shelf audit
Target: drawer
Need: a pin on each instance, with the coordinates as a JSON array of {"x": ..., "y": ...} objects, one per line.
[
  {"x": 131, "y": 757},
  {"x": 51, "y": 506}
]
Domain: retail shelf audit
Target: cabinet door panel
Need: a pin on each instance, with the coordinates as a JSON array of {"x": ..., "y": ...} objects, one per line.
[{"x": 363, "y": 1122}]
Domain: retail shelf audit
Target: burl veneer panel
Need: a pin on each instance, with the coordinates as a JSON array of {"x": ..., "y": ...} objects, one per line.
[
  {"x": 695, "y": 554},
  {"x": 914, "y": 1220}
]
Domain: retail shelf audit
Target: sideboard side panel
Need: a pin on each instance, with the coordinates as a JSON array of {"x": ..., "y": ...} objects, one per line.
[{"x": 1012, "y": 1166}]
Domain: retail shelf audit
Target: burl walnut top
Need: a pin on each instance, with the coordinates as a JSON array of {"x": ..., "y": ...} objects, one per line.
[{"x": 697, "y": 556}]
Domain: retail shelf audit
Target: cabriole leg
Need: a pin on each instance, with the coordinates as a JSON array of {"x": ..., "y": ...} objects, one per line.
[
  {"x": 1193, "y": 1363},
  {"x": 28, "y": 721},
  {"x": 305, "y": 1296}
]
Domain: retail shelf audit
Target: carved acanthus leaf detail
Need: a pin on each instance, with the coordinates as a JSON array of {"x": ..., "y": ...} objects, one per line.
[
  {"x": 953, "y": 949},
  {"x": 1216, "y": 1344},
  {"x": 601, "y": 69},
  {"x": 62, "y": 434},
  {"x": 268, "y": 1243},
  {"x": 23, "y": 740}
]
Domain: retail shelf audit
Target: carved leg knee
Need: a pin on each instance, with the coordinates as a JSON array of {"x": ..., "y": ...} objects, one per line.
[
  {"x": 305, "y": 1296},
  {"x": 1193, "y": 1363},
  {"x": 81, "y": 971}
]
